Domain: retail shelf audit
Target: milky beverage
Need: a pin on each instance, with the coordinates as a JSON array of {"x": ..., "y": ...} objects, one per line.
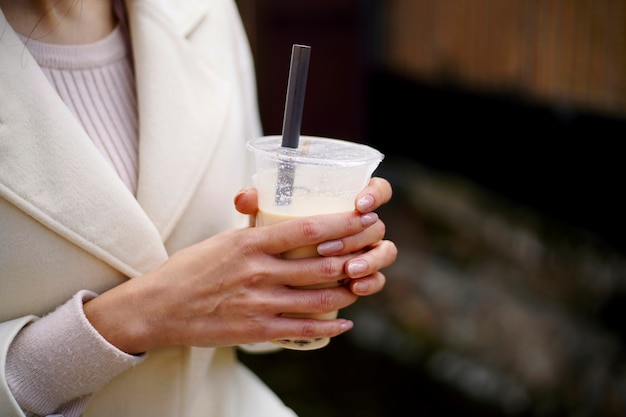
[{"x": 321, "y": 176}]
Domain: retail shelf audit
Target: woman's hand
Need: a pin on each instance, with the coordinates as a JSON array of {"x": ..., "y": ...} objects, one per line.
[
  {"x": 373, "y": 253},
  {"x": 232, "y": 289}
]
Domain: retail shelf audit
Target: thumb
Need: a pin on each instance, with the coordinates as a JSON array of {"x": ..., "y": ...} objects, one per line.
[{"x": 246, "y": 201}]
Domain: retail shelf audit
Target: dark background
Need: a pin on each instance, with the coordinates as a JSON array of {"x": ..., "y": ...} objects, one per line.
[
  {"x": 560, "y": 159},
  {"x": 565, "y": 163},
  {"x": 554, "y": 160}
]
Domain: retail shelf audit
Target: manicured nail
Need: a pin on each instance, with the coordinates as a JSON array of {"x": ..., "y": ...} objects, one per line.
[
  {"x": 369, "y": 219},
  {"x": 326, "y": 248},
  {"x": 346, "y": 325},
  {"x": 365, "y": 203},
  {"x": 359, "y": 287},
  {"x": 356, "y": 267}
]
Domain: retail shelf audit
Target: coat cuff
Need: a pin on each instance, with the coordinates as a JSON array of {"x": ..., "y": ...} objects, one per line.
[{"x": 8, "y": 331}]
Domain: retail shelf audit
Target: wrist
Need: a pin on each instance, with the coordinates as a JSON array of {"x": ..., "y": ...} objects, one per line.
[{"x": 115, "y": 317}]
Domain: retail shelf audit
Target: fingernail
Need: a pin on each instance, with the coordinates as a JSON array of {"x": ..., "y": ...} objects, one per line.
[
  {"x": 369, "y": 219},
  {"x": 327, "y": 248},
  {"x": 346, "y": 325},
  {"x": 359, "y": 287},
  {"x": 365, "y": 203},
  {"x": 356, "y": 267}
]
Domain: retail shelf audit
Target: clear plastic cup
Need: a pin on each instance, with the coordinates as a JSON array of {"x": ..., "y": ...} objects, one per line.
[{"x": 321, "y": 175}]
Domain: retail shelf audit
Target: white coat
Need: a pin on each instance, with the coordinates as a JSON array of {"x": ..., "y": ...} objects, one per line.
[{"x": 67, "y": 222}]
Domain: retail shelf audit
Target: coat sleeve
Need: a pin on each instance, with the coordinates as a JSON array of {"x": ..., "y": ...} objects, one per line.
[
  {"x": 8, "y": 331},
  {"x": 54, "y": 344}
]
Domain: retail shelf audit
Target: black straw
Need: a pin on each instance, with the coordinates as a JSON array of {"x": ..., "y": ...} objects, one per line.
[
  {"x": 296, "y": 87},
  {"x": 292, "y": 119}
]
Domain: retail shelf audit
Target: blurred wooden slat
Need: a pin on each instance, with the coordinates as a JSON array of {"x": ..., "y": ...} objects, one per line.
[{"x": 567, "y": 52}]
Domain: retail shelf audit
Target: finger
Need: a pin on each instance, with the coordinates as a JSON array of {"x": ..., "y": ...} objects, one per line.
[
  {"x": 314, "y": 271},
  {"x": 246, "y": 201},
  {"x": 303, "y": 328},
  {"x": 381, "y": 255},
  {"x": 315, "y": 302},
  {"x": 377, "y": 193},
  {"x": 356, "y": 242},
  {"x": 368, "y": 285},
  {"x": 306, "y": 231}
]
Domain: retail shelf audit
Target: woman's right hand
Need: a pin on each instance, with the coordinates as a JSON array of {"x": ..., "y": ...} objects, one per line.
[{"x": 231, "y": 289}]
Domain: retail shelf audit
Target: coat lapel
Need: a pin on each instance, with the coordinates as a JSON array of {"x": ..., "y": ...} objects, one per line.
[
  {"x": 50, "y": 169},
  {"x": 182, "y": 109}
]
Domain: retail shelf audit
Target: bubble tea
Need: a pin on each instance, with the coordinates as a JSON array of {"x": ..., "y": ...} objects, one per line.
[{"x": 320, "y": 176}]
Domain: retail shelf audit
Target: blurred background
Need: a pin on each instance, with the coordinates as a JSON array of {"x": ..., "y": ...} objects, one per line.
[{"x": 503, "y": 124}]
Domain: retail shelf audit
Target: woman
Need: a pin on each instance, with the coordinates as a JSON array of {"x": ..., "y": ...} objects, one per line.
[{"x": 127, "y": 278}]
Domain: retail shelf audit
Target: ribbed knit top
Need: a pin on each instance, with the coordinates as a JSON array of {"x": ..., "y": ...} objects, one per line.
[{"x": 96, "y": 82}]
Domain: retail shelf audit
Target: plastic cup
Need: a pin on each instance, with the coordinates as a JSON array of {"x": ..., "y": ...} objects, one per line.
[{"x": 320, "y": 176}]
